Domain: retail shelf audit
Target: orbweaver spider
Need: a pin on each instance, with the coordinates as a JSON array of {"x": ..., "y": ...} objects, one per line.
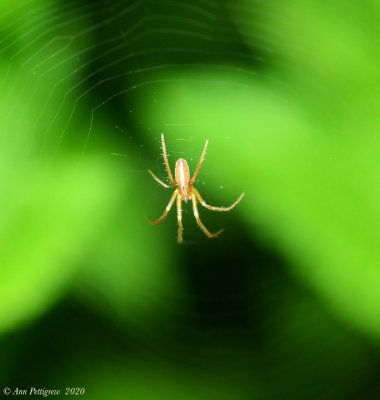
[{"x": 185, "y": 190}]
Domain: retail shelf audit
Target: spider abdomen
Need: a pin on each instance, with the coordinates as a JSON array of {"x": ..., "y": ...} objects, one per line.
[{"x": 182, "y": 173}]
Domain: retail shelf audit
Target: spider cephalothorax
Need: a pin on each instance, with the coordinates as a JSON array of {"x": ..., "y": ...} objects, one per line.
[{"x": 185, "y": 190}]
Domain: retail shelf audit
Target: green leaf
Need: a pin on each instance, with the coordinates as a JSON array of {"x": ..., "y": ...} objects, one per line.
[{"x": 310, "y": 187}]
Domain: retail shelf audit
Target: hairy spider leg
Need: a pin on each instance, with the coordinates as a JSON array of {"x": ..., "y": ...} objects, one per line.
[
  {"x": 199, "y": 197},
  {"x": 167, "y": 209},
  {"x": 160, "y": 182},
  {"x": 166, "y": 159},
  {"x": 192, "y": 180},
  {"x": 199, "y": 222},
  {"x": 179, "y": 217}
]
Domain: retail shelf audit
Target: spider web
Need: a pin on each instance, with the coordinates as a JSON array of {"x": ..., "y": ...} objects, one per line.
[
  {"x": 103, "y": 63},
  {"x": 97, "y": 56}
]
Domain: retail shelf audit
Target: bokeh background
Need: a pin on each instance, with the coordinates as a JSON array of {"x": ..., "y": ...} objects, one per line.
[{"x": 285, "y": 304}]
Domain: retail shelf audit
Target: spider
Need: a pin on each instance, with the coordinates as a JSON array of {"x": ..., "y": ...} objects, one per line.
[{"x": 185, "y": 190}]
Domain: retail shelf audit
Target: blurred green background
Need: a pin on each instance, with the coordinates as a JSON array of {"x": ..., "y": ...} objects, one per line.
[{"x": 285, "y": 304}]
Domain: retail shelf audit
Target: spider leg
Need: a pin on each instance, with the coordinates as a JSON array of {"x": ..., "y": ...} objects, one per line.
[
  {"x": 199, "y": 164},
  {"x": 179, "y": 217},
  {"x": 159, "y": 181},
  {"x": 166, "y": 159},
  {"x": 199, "y": 222},
  {"x": 167, "y": 209},
  {"x": 212, "y": 208}
]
